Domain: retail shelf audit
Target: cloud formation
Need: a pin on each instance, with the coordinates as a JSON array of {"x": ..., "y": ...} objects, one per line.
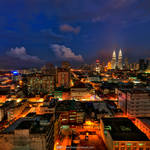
[
  {"x": 69, "y": 28},
  {"x": 21, "y": 54},
  {"x": 65, "y": 53}
]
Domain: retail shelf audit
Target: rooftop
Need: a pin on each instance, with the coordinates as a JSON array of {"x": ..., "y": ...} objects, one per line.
[
  {"x": 32, "y": 114},
  {"x": 145, "y": 120},
  {"x": 122, "y": 129},
  {"x": 26, "y": 124},
  {"x": 69, "y": 105}
]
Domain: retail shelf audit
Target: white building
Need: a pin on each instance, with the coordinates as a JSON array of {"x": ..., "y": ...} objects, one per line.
[
  {"x": 135, "y": 102},
  {"x": 113, "y": 61},
  {"x": 120, "y": 60}
]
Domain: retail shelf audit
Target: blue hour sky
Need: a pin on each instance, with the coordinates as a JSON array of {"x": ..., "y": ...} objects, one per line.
[{"x": 33, "y": 32}]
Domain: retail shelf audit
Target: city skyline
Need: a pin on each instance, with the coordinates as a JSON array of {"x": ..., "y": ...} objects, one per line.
[
  {"x": 36, "y": 32},
  {"x": 74, "y": 74}
]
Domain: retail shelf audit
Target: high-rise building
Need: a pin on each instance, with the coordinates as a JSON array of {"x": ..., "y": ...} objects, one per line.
[
  {"x": 120, "y": 60},
  {"x": 142, "y": 64},
  {"x": 63, "y": 78},
  {"x": 97, "y": 66},
  {"x": 126, "y": 63},
  {"x": 113, "y": 61},
  {"x": 148, "y": 66},
  {"x": 148, "y": 62},
  {"x": 38, "y": 83},
  {"x": 134, "y": 102}
]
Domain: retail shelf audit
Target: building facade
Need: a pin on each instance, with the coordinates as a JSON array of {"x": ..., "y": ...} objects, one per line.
[
  {"x": 41, "y": 83},
  {"x": 63, "y": 78},
  {"x": 135, "y": 102},
  {"x": 113, "y": 61},
  {"x": 29, "y": 134}
]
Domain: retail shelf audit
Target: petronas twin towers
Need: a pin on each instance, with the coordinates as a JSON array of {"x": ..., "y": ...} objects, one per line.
[{"x": 114, "y": 63}]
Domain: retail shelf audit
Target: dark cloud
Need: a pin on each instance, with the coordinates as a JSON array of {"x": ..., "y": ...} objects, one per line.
[
  {"x": 69, "y": 28},
  {"x": 21, "y": 53}
]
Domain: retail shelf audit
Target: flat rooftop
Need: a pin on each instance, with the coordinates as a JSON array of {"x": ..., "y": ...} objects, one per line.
[
  {"x": 34, "y": 127},
  {"x": 122, "y": 129},
  {"x": 26, "y": 124},
  {"x": 69, "y": 105}
]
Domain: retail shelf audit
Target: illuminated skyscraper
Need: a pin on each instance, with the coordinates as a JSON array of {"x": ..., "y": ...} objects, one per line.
[
  {"x": 109, "y": 66},
  {"x": 97, "y": 66},
  {"x": 120, "y": 60},
  {"x": 113, "y": 61}
]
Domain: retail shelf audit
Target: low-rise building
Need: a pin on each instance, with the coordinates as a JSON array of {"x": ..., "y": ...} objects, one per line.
[
  {"x": 13, "y": 112},
  {"x": 5, "y": 108},
  {"x": 71, "y": 112},
  {"x": 122, "y": 134},
  {"x": 80, "y": 92},
  {"x": 30, "y": 134}
]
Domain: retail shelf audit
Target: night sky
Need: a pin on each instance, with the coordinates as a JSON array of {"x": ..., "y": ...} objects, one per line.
[{"x": 33, "y": 32}]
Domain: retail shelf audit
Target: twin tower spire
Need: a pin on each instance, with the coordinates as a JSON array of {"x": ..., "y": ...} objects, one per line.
[{"x": 114, "y": 63}]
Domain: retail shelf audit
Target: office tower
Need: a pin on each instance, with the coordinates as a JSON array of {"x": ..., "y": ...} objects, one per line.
[
  {"x": 113, "y": 61},
  {"x": 148, "y": 66},
  {"x": 148, "y": 62},
  {"x": 126, "y": 63},
  {"x": 109, "y": 66},
  {"x": 142, "y": 64},
  {"x": 38, "y": 83},
  {"x": 97, "y": 66},
  {"x": 134, "y": 102},
  {"x": 120, "y": 60},
  {"x": 63, "y": 78}
]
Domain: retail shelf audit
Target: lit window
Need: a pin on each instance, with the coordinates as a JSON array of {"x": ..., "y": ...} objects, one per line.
[
  {"x": 122, "y": 148},
  {"x": 72, "y": 118},
  {"x": 134, "y": 148}
]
